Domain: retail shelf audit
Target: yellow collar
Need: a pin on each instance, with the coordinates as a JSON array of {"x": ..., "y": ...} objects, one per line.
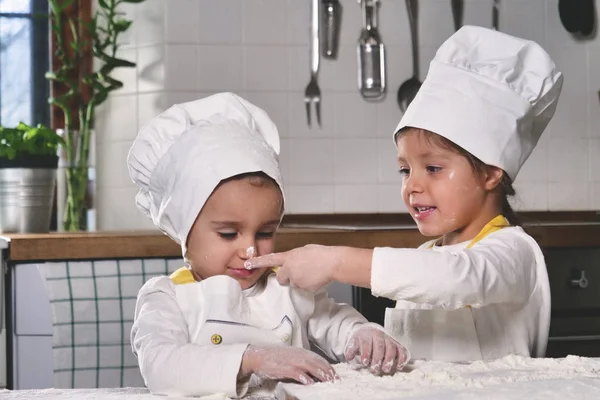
[
  {"x": 494, "y": 225},
  {"x": 182, "y": 276}
]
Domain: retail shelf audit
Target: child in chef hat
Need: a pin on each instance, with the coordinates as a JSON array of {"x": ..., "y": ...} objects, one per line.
[
  {"x": 208, "y": 177},
  {"x": 487, "y": 98},
  {"x": 479, "y": 291}
]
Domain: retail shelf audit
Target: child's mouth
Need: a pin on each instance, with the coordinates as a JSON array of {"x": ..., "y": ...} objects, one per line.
[
  {"x": 422, "y": 212},
  {"x": 242, "y": 272}
]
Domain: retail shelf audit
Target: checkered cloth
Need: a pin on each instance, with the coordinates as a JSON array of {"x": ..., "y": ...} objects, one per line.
[{"x": 93, "y": 304}]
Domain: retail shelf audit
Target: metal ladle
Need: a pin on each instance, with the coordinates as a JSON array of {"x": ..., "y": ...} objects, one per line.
[
  {"x": 457, "y": 13},
  {"x": 408, "y": 90}
]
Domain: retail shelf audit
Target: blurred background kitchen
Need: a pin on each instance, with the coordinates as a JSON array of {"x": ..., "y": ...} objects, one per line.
[
  {"x": 187, "y": 49},
  {"x": 345, "y": 165}
]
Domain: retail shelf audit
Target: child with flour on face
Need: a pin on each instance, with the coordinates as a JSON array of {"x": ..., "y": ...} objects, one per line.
[
  {"x": 209, "y": 177},
  {"x": 480, "y": 289}
]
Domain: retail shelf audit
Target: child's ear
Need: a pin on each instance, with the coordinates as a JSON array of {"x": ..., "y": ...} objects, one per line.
[{"x": 493, "y": 177}]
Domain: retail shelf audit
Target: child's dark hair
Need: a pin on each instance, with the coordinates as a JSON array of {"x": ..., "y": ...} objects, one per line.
[
  {"x": 258, "y": 178},
  {"x": 478, "y": 166}
]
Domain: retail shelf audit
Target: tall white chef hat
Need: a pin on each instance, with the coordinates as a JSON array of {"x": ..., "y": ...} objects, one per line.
[
  {"x": 180, "y": 157},
  {"x": 490, "y": 93}
]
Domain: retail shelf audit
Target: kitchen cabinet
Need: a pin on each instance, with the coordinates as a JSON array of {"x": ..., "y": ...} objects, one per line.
[
  {"x": 574, "y": 275},
  {"x": 3, "y": 356},
  {"x": 31, "y": 339}
]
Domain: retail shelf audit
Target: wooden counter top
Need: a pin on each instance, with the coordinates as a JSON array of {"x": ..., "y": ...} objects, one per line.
[
  {"x": 90, "y": 246},
  {"x": 141, "y": 244}
]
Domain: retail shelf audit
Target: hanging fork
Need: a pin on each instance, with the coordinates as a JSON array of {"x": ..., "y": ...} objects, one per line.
[{"x": 312, "y": 93}]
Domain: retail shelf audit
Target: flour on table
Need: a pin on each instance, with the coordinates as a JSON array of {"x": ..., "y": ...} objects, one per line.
[
  {"x": 507, "y": 378},
  {"x": 93, "y": 394}
]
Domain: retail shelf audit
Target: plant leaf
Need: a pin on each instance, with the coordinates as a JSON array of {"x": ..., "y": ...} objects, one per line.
[
  {"x": 54, "y": 7},
  {"x": 122, "y": 25},
  {"x": 65, "y": 4}
]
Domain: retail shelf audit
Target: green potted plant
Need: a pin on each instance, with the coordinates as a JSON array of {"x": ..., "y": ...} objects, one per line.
[
  {"x": 28, "y": 163},
  {"x": 84, "y": 91}
]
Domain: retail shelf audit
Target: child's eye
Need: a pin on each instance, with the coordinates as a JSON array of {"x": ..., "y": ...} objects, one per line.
[
  {"x": 265, "y": 235},
  {"x": 404, "y": 171},
  {"x": 228, "y": 235},
  {"x": 433, "y": 169}
]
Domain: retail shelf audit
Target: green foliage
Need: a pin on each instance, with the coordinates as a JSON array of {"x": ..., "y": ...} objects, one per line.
[
  {"x": 84, "y": 90},
  {"x": 25, "y": 140},
  {"x": 105, "y": 28}
]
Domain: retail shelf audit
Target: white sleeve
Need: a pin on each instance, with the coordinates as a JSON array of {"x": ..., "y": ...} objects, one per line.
[
  {"x": 169, "y": 363},
  {"x": 331, "y": 325},
  {"x": 499, "y": 269}
]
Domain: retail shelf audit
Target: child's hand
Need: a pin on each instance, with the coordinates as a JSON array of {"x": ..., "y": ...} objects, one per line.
[
  {"x": 373, "y": 348},
  {"x": 279, "y": 362}
]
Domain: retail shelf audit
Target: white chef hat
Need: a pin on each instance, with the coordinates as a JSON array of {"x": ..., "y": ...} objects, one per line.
[
  {"x": 179, "y": 158},
  {"x": 490, "y": 93}
]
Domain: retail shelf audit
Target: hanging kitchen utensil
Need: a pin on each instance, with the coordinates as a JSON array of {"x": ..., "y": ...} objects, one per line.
[
  {"x": 371, "y": 54},
  {"x": 578, "y": 17},
  {"x": 568, "y": 14},
  {"x": 495, "y": 14},
  {"x": 457, "y": 13},
  {"x": 588, "y": 17},
  {"x": 330, "y": 31},
  {"x": 312, "y": 93},
  {"x": 408, "y": 90}
]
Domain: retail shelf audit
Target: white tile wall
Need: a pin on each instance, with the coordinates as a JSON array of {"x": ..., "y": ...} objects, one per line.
[{"x": 187, "y": 49}]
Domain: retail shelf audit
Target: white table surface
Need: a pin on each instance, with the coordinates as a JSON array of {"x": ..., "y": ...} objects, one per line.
[{"x": 510, "y": 378}]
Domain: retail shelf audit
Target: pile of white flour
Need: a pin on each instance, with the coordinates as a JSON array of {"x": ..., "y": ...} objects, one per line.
[
  {"x": 509, "y": 378},
  {"x": 512, "y": 377}
]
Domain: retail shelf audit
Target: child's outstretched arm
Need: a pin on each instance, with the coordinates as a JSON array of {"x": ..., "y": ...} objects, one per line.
[
  {"x": 169, "y": 364},
  {"x": 499, "y": 269}
]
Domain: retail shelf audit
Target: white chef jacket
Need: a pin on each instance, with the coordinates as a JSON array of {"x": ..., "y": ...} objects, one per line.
[
  {"x": 458, "y": 304},
  {"x": 190, "y": 338}
]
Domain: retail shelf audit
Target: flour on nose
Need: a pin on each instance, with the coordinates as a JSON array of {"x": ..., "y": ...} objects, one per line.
[{"x": 250, "y": 252}]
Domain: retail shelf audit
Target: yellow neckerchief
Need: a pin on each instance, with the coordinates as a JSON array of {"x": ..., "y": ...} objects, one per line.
[
  {"x": 494, "y": 225},
  {"x": 184, "y": 275}
]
